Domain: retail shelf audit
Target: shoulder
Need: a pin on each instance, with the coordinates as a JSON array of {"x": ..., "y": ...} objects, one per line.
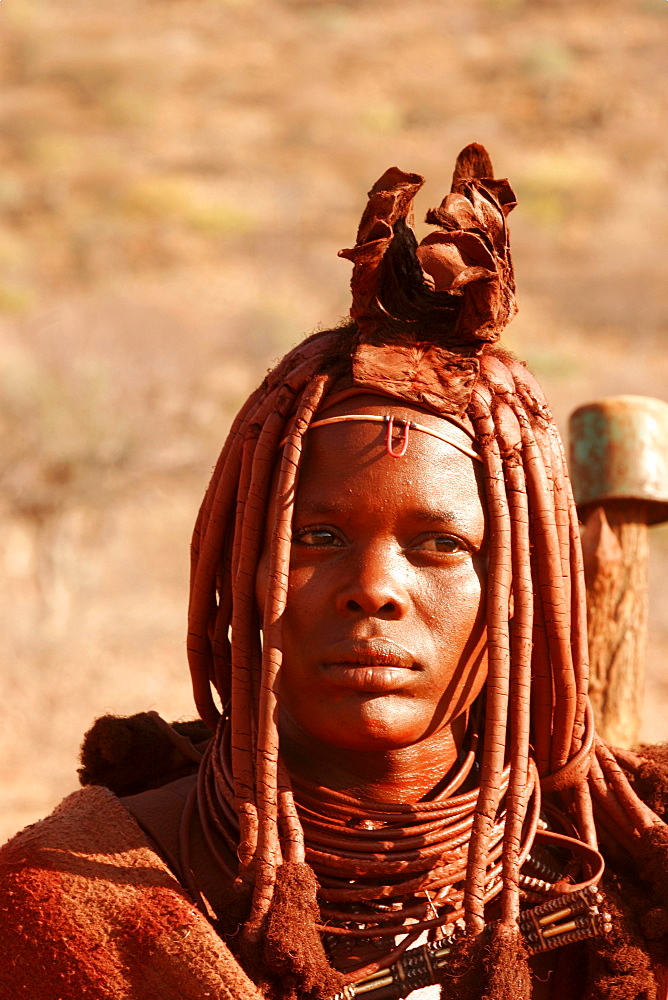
[{"x": 88, "y": 909}]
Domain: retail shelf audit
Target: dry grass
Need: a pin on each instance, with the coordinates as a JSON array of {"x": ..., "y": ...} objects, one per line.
[{"x": 177, "y": 176}]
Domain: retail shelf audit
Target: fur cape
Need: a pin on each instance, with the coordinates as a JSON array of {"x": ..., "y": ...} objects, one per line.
[{"x": 89, "y": 911}]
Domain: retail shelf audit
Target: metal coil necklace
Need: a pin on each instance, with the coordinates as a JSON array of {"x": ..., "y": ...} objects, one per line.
[{"x": 384, "y": 869}]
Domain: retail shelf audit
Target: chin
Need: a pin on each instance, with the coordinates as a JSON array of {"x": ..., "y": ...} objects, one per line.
[{"x": 376, "y": 725}]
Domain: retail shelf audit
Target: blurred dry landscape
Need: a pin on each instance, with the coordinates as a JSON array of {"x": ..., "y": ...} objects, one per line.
[{"x": 176, "y": 179}]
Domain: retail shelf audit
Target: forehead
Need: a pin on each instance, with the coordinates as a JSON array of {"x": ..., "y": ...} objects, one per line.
[{"x": 349, "y": 462}]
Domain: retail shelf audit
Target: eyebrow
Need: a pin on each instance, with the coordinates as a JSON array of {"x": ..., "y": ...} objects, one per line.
[{"x": 324, "y": 507}]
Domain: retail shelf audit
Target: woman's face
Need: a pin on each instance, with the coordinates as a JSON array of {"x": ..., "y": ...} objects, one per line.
[{"x": 383, "y": 633}]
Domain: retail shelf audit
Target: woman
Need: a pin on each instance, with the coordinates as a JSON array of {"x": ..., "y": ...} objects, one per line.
[{"x": 387, "y": 638}]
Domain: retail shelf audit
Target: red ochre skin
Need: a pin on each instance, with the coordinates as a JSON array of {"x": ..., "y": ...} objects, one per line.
[{"x": 384, "y": 630}]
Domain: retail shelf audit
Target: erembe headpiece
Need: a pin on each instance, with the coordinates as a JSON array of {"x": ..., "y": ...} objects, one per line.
[
  {"x": 425, "y": 321},
  {"x": 425, "y": 311}
]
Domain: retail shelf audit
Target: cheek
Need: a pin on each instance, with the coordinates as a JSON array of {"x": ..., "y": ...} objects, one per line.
[
  {"x": 457, "y": 622},
  {"x": 455, "y": 601},
  {"x": 306, "y": 594}
]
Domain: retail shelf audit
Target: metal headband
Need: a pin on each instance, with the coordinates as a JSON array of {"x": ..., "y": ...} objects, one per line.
[{"x": 408, "y": 425}]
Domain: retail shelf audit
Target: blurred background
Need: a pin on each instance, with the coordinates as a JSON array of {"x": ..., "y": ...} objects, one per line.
[{"x": 176, "y": 179}]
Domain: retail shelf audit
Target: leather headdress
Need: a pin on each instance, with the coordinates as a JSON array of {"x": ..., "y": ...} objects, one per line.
[{"x": 425, "y": 311}]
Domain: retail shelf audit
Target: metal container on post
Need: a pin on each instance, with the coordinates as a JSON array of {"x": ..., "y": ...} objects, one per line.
[{"x": 619, "y": 470}]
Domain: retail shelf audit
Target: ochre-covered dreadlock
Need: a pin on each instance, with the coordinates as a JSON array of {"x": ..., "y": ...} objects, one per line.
[{"x": 425, "y": 320}]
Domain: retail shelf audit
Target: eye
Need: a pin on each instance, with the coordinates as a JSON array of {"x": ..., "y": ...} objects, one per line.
[
  {"x": 316, "y": 537},
  {"x": 441, "y": 543}
]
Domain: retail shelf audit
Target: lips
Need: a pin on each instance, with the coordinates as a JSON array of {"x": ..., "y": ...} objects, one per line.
[{"x": 373, "y": 665}]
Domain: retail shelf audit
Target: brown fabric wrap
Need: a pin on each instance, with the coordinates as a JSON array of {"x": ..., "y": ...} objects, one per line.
[{"x": 88, "y": 910}]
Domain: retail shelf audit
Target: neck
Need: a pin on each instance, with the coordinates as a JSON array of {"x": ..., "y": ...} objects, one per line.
[{"x": 406, "y": 774}]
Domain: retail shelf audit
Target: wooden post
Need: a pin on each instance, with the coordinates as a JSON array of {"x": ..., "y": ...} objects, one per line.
[
  {"x": 615, "y": 545},
  {"x": 619, "y": 468}
]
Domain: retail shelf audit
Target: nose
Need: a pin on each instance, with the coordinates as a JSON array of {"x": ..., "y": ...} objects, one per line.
[{"x": 375, "y": 586}]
